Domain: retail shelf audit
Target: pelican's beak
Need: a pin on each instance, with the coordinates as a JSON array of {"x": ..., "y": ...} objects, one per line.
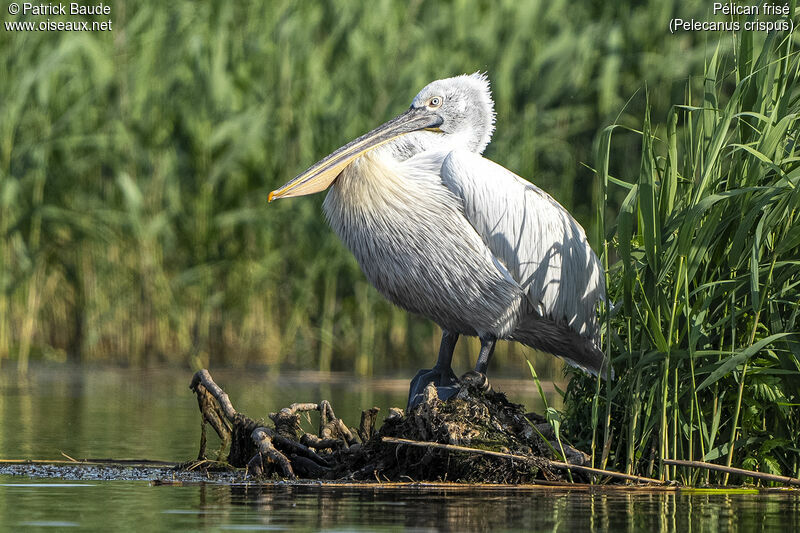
[{"x": 322, "y": 174}]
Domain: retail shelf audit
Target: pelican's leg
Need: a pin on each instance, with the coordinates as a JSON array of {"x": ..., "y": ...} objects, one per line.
[
  {"x": 478, "y": 377},
  {"x": 487, "y": 349},
  {"x": 440, "y": 375}
]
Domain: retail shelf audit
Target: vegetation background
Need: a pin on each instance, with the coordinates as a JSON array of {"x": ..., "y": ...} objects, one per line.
[
  {"x": 135, "y": 164},
  {"x": 704, "y": 325}
]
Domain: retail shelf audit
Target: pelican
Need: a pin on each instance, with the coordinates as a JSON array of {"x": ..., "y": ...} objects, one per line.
[{"x": 445, "y": 233}]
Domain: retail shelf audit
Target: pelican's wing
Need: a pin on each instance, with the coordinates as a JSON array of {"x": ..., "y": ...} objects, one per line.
[{"x": 543, "y": 248}]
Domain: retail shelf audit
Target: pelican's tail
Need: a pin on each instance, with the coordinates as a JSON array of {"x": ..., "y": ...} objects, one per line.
[{"x": 561, "y": 340}]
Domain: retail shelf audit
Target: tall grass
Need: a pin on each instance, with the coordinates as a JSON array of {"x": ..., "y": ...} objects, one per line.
[
  {"x": 704, "y": 274},
  {"x": 135, "y": 164}
]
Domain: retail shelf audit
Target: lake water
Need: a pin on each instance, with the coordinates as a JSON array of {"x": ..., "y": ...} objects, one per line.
[{"x": 153, "y": 415}]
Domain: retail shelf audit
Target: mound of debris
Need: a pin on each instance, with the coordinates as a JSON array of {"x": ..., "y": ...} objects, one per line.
[{"x": 476, "y": 436}]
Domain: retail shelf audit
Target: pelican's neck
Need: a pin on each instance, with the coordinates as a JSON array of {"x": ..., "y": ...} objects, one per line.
[
  {"x": 388, "y": 183},
  {"x": 378, "y": 190},
  {"x": 411, "y": 144},
  {"x": 369, "y": 182}
]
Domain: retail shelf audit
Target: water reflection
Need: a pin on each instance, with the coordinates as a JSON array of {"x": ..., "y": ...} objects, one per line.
[
  {"x": 130, "y": 505},
  {"x": 539, "y": 509}
]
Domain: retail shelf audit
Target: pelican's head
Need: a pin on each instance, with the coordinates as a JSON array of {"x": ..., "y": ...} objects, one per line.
[
  {"x": 448, "y": 114},
  {"x": 465, "y": 106}
]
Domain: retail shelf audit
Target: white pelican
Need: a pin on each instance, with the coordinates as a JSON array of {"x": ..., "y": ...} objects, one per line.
[{"x": 445, "y": 233}]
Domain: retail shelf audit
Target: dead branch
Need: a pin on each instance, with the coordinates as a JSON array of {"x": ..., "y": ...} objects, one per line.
[
  {"x": 212, "y": 413},
  {"x": 202, "y": 377},
  {"x": 299, "y": 449},
  {"x": 344, "y": 431},
  {"x": 366, "y": 430},
  {"x": 203, "y": 441},
  {"x": 252, "y": 444},
  {"x": 287, "y": 420},
  {"x": 312, "y": 441},
  {"x": 554, "y": 464},
  {"x": 302, "y": 407},
  {"x": 732, "y": 470},
  {"x": 268, "y": 451},
  {"x": 326, "y": 414}
]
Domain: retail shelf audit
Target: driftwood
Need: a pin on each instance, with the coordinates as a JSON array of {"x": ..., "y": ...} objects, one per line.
[
  {"x": 336, "y": 451},
  {"x": 285, "y": 450}
]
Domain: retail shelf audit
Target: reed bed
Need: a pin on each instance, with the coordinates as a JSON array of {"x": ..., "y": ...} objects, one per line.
[
  {"x": 703, "y": 270},
  {"x": 135, "y": 165}
]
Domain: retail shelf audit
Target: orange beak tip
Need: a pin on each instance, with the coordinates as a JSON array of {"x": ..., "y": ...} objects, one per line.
[{"x": 269, "y": 198}]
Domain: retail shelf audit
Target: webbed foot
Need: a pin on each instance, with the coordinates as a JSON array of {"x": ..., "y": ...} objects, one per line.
[
  {"x": 447, "y": 385},
  {"x": 476, "y": 380}
]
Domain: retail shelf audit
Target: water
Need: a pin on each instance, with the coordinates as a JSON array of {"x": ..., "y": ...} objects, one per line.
[
  {"x": 111, "y": 413},
  {"x": 151, "y": 414},
  {"x": 128, "y": 505}
]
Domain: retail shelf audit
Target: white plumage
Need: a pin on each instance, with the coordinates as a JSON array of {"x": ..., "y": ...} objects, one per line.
[{"x": 445, "y": 233}]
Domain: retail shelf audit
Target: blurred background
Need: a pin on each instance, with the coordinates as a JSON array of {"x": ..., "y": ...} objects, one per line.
[{"x": 135, "y": 164}]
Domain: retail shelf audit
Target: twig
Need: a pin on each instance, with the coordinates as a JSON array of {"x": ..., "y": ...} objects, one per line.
[
  {"x": 732, "y": 470},
  {"x": 194, "y": 465},
  {"x": 548, "y": 462}
]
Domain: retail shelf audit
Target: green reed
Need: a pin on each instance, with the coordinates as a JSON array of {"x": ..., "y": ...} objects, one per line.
[
  {"x": 703, "y": 261},
  {"x": 135, "y": 165}
]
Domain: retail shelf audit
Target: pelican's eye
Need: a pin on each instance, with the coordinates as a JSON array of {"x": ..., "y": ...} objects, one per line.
[{"x": 435, "y": 102}]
